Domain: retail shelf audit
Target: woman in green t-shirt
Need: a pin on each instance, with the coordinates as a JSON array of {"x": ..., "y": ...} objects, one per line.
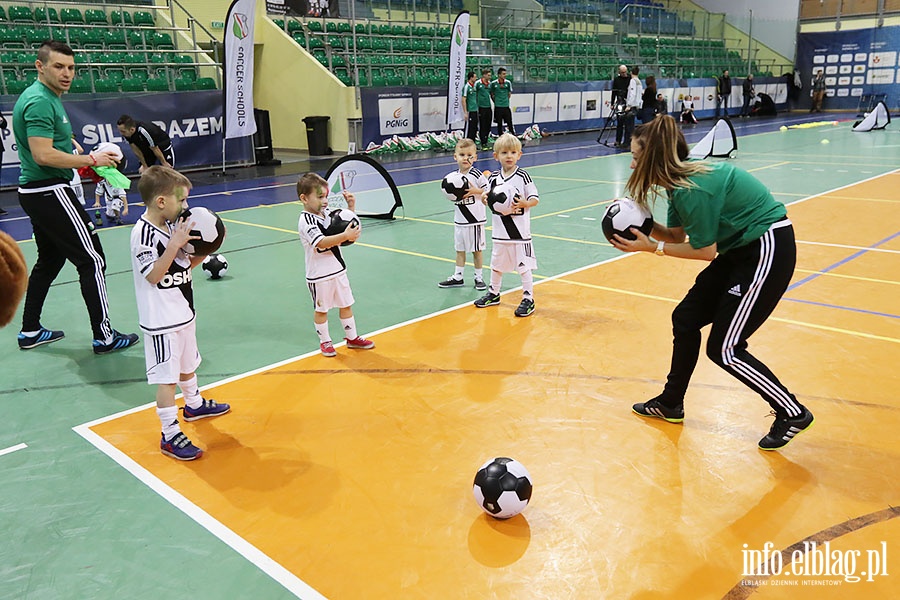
[{"x": 724, "y": 215}]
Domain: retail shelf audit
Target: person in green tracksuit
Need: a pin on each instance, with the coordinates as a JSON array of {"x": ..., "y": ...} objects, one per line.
[
  {"x": 470, "y": 103},
  {"x": 501, "y": 89},
  {"x": 485, "y": 109}
]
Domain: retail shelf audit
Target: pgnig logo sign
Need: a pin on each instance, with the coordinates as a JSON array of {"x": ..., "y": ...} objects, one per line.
[{"x": 395, "y": 115}]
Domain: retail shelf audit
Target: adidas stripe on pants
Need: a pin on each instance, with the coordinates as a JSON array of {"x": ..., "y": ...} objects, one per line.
[
  {"x": 736, "y": 293},
  {"x": 63, "y": 231}
]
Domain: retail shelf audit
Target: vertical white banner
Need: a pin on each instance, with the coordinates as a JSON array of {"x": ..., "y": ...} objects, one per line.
[
  {"x": 459, "y": 42},
  {"x": 238, "y": 76}
]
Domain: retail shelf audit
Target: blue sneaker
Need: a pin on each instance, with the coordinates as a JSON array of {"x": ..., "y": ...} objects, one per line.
[
  {"x": 179, "y": 447},
  {"x": 120, "y": 342},
  {"x": 209, "y": 408},
  {"x": 44, "y": 336}
]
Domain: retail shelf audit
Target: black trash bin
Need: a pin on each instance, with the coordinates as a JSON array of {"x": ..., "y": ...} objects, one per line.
[{"x": 317, "y": 135}]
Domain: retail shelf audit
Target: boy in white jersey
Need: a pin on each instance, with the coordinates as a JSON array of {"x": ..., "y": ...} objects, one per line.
[
  {"x": 511, "y": 234},
  {"x": 165, "y": 298},
  {"x": 326, "y": 273},
  {"x": 469, "y": 218},
  {"x": 114, "y": 198}
]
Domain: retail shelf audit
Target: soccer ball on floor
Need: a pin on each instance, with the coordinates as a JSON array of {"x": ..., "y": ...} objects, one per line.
[
  {"x": 502, "y": 487},
  {"x": 208, "y": 226},
  {"x": 622, "y": 214},
  {"x": 215, "y": 266},
  {"x": 338, "y": 220},
  {"x": 500, "y": 199},
  {"x": 455, "y": 186}
]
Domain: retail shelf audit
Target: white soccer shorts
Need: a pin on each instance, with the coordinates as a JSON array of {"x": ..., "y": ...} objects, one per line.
[
  {"x": 469, "y": 238},
  {"x": 331, "y": 293},
  {"x": 516, "y": 257},
  {"x": 168, "y": 355}
]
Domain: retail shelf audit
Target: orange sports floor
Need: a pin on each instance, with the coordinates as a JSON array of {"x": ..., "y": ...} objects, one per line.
[{"x": 354, "y": 474}]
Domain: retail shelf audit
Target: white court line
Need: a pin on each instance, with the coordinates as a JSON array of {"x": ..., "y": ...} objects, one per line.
[
  {"x": 253, "y": 554},
  {"x": 12, "y": 449}
]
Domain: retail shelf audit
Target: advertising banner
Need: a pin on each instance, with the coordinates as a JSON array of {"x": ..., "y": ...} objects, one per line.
[
  {"x": 238, "y": 74},
  {"x": 459, "y": 43}
]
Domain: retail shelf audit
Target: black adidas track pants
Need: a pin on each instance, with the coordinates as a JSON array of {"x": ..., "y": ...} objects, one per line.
[
  {"x": 63, "y": 231},
  {"x": 736, "y": 293}
]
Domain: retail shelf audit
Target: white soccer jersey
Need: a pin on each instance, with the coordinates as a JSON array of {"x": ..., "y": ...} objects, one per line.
[
  {"x": 517, "y": 226},
  {"x": 470, "y": 211},
  {"x": 168, "y": 305},
  {"x": 320, "y": 264},
  {"x": 113, "y": 197}
]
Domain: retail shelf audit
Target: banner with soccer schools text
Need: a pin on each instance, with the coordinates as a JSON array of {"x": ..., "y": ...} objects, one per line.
[
  {"x": 192, "y": 119},
  {"x": 459, "y": 43},
  {"x": 238, "y": 74}
]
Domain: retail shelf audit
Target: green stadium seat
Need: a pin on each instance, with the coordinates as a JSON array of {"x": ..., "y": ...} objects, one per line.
[
  {"x": 17, "y": 87},
  {"x": 330, "y": 27},
  {"x": 2, "y": 14},
  {"x": 142, "y": 17},
  {"x": 20, "y": 14},
  {"x": 184, "y": 85},
  {"x": 299, "y": 37},
  {"x": 80, "y": 85},
  {"x": 120, "y": 18},
  {"x": 157, "y": 84},
  {"x": 205, "y": 83},
  {"x": 106, "y": 86},
  {"x": 136, "y": 38},
  {"x": 11, "y": 37},
  {"x": 162, "y": 41},
  {"x": 46, "y": 15},
  {"x": 314, "y": 26},
  {"x": 344, "y": 27},
  {"x": 133, "y": 84},
  {"x": 71, "y": 15},
  {"x": 115, "y": 39},
  {"x": 95, "y": 16}
]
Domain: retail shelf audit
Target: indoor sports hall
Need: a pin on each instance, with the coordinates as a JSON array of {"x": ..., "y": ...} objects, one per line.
[{"x": 351, "y": 477}]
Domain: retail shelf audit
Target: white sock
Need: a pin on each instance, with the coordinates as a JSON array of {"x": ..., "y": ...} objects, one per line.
[
  {"x": 349, "y": 326},
  {"x": 479, "y": 274},
  {"x": 496, "y": 280},
  {"x": 527, "y": 284},
  {"x": 31, "y": 333},
  {"x": 458, "y": 273},
  {"x": 191, "y": 392},
  {"x": 168, "y": 418},
  {"x": 322, "y": 332}
]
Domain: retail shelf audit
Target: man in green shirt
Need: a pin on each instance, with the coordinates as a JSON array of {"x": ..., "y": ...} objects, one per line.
[
  {"x": 485, "y": 110},
  {"x": 62, "y": 229},
  {"x": 470, "y": 104},
  {"x": 501, "y": 89}
]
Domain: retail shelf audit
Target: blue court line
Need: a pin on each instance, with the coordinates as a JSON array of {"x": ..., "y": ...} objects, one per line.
[
  {"x": 857, "y": 310},
  {"x": 841, "y": 262}
]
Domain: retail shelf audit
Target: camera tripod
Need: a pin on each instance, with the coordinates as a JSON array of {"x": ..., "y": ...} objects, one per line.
[{"x": 616, "y": 110}]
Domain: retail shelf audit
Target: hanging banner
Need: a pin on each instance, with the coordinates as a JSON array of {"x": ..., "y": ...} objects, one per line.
[
  {"x": 238, "y": 79},
  {"x": 459, "y": 42}
]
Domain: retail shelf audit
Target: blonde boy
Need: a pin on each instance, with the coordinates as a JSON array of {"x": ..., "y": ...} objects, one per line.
[
  {"x": 326, "y": 274},
  {"x": 469, "y": 218},
  {"x": 165, "y": 299},
  {"x": 511, "y": 234}
]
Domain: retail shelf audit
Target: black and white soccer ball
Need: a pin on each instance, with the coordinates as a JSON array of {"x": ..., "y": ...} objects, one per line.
[
  {"x": 502, "y": 487},
  {"x": 622, "y": 214},
  {"x": 455, "y": 186},
  {"x": 338, "y": 220},
  {"x": 500, "y": 198},
  {"x": 208, "y": 226},
  {"x": 215, "y": 266}
]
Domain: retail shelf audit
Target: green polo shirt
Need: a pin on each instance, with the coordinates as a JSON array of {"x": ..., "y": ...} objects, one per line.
[
  {"x": 471, "y": 100},
  {"x": 482, "y": 94},
  {"x": 727, "y": 206},
  {"x": 501, "y": 92},
  {"x": 39, "y": 113}
]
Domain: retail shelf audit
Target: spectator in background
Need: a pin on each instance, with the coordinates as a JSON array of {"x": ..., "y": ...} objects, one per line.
[
  {"x": 485, "y": 109},
  {"x": 632, "y": 105},
  {"x": 662, "y": 107},
  {"x": 723, "y": 92},
  {"x": 818, "y": 91},
  {"x": 649, "y": 105},
  {"x": 748, "y": 95},
  {"x": 687, "y": 112},
  {"x": 501, "y": 90},
  {"x": 619, "y": 92},
  {"x": 470, "y": 104}
]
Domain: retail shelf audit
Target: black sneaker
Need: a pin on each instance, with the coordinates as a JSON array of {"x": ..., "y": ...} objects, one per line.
[
  {"x": 656, "y": 409},
  {"x": 526, "y": 307},
  {"x": 120, "y": 341},
  {"x": 451, "y": 282},
  {"x": 480, "y": 285},
  {"x": 488, "y": 299},
  {"x": 43, "y": 336},
  {"x": 784, "y": 429}
]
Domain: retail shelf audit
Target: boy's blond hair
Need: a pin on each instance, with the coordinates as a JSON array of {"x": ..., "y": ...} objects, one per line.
[
  {"x": 507, "y": 141},
  {"x": 464, "y": 144},
  {"x": 158, "y": 180},
  {"x": 310, "y": 183}
]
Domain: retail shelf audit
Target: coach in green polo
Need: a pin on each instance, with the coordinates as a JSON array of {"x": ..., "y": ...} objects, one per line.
[
  {"x": 501, "y": 89},
  {"x": 485, "y": 110}
]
